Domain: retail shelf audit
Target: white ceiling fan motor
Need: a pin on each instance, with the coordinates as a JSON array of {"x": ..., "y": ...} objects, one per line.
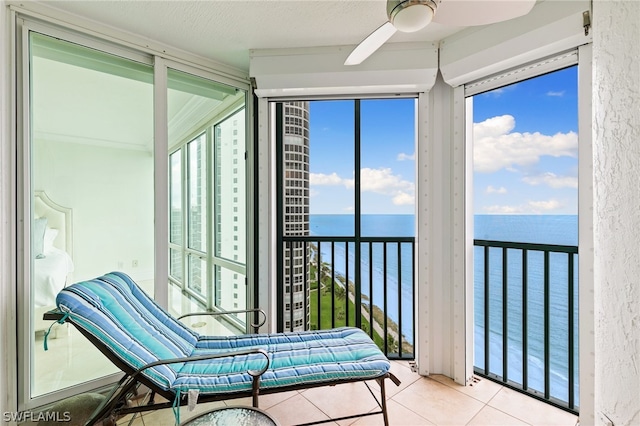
[{"x": 410, "y": 16}]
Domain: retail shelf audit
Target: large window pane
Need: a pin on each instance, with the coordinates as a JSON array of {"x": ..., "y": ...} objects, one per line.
[
  {"x": 197, "y": 170},
  {"x": 230, "y": 206},
  {"x": 91, "y": 152},
  {"x": 207, "y": 140},
  {"x": 198, "y": 275},
  {"x": 330, "y": 158},
  {"x": 347, "y": 217},
  {"x": 175, "y": 195},
  {"x": 230, "y": 289},
  {"x": 387, "y": 168}
]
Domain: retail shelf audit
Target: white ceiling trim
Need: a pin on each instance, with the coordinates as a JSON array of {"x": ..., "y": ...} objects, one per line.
[
  {"x": 92, "y": 141},
  {"x": 397, "y": 68},
  {"x": 550, "y": 28}
]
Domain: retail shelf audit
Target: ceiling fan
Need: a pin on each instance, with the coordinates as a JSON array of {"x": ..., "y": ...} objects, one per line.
[{"x": 412, "y": 15}]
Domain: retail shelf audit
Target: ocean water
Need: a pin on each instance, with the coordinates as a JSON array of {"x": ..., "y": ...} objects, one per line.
[{"x": 543, "y": 229}]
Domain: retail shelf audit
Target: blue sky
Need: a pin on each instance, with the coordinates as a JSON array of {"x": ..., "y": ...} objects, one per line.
[
  {"x": 525, "y": 151},
  {"x": 526, "y": 147},
  {"x": 387, "y": 150}
]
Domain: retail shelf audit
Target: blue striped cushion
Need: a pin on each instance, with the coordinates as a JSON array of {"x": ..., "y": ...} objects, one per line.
[
  {"x": 296, "y": 358},
  {"x": 114, "y": 310},
  {"x": 132, "y": 325}
]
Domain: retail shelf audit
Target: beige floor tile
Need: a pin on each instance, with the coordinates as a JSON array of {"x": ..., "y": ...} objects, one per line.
[
  {"x": 343, "y": 400},
  {"x": 480, "y": 389},
  {"x": 296, "y": 410},
  {"x": 531, "y": 410},
  {"x": 439, "y": 403},
  {"x": 270, "y": 400},
  {"x": 402, "y": 371},
  {"x": 490, "y": 416},
  {"x": 399, "y": 415}
]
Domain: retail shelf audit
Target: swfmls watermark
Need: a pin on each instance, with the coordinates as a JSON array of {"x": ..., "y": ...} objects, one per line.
[{"x": 33, "y": 416}]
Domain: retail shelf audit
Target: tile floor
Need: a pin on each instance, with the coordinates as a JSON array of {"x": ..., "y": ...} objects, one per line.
[{"x": 435, "y": 400}]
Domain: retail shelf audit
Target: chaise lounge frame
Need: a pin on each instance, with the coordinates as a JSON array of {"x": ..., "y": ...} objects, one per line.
[{"x": 116, "y": 403}]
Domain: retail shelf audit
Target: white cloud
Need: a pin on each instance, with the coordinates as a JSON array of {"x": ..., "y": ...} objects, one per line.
[
  {"x": 379, "y": 181},
  {"x": 495, "y": 147},
  {"x": 552, "y": 180},
  {"x": 491, "y": 190},
  {"x": 402, "y": 157},
  {"x": 321, "y": 179},
  {"x": 403, "y": 199},
  {"x": 557, "y": 94},
  {"x": 497, "y": 209},
  {"x": 530, "y": 207},
  {"x": 382, "y": 181}
]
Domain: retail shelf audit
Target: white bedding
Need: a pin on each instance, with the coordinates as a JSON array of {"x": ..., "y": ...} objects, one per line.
[{"x": 50, "y": 276}]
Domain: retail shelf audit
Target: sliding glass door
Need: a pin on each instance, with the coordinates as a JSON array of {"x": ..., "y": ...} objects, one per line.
[
  {"x": 88, "y": 193},
  {"x": 103, "y": 130}
]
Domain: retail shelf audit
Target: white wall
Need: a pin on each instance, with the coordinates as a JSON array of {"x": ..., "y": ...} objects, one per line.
[
  {"x": 616, "y": 146},
  {"x": 111, "y": 193}
]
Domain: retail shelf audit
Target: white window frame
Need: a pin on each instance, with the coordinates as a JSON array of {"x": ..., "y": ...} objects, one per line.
[{"x": 463, "y": 169}]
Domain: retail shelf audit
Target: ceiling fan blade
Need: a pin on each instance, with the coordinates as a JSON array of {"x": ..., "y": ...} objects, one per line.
[
  {"x": 463, "y": 13},
  {"x": 371, "y": 44}
]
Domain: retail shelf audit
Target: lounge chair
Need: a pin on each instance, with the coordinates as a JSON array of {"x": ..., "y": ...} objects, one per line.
[{"x": 158, "y": 351}]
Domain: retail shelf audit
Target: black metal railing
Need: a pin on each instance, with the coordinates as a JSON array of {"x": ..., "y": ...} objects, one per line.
[
  {"x": 526, "y": 318},
  {"x": 366, "y": 282}
]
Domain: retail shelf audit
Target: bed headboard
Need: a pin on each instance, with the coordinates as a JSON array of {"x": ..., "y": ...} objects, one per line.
[{"x": 58, "y": 217}]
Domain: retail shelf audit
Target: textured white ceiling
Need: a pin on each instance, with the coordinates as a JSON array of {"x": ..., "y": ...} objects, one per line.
[{"x": 225, "y": 30}]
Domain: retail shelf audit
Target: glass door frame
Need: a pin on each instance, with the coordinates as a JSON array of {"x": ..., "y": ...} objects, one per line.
[
  {"x": 24, "y": 205},
  {"x": 23, "y": 26}
]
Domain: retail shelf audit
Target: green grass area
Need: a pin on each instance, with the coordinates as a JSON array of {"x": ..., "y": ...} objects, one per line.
[
  {"x": 340, "y": 309},
  {"x": 340, "y": 316}
]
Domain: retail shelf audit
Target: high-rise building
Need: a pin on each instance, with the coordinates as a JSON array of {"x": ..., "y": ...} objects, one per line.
[
  {"x": 230, "y": 213},
  {"x": 296, "y": 214}
]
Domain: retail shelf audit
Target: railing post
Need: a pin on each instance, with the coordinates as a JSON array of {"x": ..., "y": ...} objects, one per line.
[
  {"x": 333, "y": 284},
  {"x": 571, "y": 325},
  {"x": 487, "y": 322},
  {"x": 384, "y": 296},
  {"x": 525, "y": 319},
  {"x": 505, "y": 313},
  {"x": 546, "y": 326},
  {"x": 399, "y": 299},
  {"x": 319, "y": 292},
  {"x": 371, "y": 289}
]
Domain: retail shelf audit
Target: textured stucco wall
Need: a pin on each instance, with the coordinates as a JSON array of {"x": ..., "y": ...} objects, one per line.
[{"x": 616, "y": 149}]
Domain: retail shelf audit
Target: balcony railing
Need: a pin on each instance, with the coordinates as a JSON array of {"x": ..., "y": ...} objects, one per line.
[
  {"x": 525, "y": 296},
  {"x": 330, "y": 291},
  {"x": 526, "y": 318}
]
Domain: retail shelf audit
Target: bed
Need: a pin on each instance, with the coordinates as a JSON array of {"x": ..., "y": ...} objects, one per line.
[{"x": 53, "y": 255}]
